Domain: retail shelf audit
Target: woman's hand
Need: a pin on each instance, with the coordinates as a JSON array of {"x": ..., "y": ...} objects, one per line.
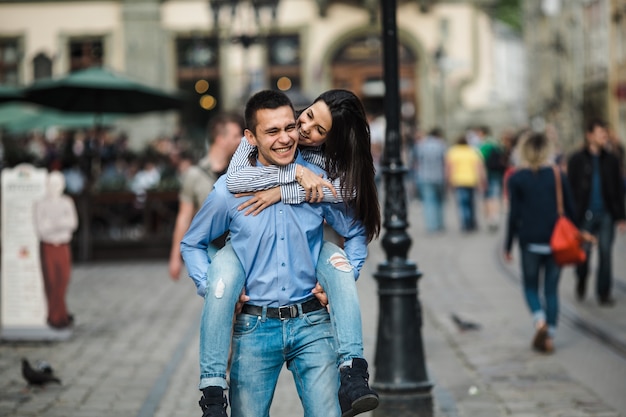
[
  {"x": 313, "y": 184},
  {"x": 587, "y": 237},
  {"x": 507, "y": 256},
  {"x": 260, "y": 200}
]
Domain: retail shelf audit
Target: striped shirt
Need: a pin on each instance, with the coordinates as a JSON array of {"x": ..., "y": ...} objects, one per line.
[{"x": 242, "y": 176}]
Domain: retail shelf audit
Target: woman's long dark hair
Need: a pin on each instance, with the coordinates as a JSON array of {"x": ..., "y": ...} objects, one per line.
[{"x": 349, "y": 156}]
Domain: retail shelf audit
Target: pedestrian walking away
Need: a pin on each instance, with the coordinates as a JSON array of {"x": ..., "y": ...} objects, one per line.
[
  {"x": 531, "y": 219},
  {"x": 429, "y": 155},
  {"x": 465, "y": 174}
]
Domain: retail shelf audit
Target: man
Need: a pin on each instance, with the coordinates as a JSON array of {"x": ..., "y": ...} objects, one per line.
[
  {"x": 595, "y": 178},
  {"x": 429, "y": 155},
  {"x": 278, "y": 248},
  {"x": 465, "y": 173},
  {"x": 224, "y": 135}
]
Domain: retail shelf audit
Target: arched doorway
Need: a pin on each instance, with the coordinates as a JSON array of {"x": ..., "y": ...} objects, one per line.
[{"x": 357, "y": 66}]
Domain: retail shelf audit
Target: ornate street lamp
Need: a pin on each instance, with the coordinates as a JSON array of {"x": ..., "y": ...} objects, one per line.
[
  {"x": 401, "y": 378},
  {"x": 255, "y": 32}
]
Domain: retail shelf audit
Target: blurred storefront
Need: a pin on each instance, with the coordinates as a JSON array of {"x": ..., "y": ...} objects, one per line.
[
  {"x": 577, "y": 51},
  {"x": 220, "y": 51}
]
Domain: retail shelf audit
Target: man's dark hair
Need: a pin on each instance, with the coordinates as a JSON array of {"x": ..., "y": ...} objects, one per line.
[
  {"x": 265, "y": 99},
  {"x": 436, "y": 131},
  {"x": 486, "y": 130},
  {"x": 593, "y": 123},
  {"x": 218, "y": 123}
]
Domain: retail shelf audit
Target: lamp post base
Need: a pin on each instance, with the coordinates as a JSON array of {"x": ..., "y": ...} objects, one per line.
[{"x": 410, "y": 404}]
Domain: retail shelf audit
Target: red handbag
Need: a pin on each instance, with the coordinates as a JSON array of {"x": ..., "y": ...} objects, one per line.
[{"x": 566, "y": 240}]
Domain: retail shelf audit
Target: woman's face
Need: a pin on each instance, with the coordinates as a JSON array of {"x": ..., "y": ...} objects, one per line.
[{"x": 314, "y": 124}]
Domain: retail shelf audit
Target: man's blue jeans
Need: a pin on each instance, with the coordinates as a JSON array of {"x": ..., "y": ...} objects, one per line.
[
  {"x": 532, "y": 263},
  {"x": 225, "y": 281},
  {"x": 465, "y": 201},
  {"x": 603, "y": 228},
  {"x": 262, "y": 345},
  {"x": 432, "y": 200}
]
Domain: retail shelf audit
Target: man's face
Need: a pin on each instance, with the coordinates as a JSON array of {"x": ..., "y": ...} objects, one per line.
[
  {"x": 275, "y": 137},
  {"x": 598, "y": 136}
]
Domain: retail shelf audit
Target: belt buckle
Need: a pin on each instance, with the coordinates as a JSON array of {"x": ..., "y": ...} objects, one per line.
[{"x": 289, "y": 312}]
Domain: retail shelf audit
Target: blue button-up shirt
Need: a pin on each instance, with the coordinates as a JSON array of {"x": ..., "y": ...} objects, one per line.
[{"x": 278, "y": 248}]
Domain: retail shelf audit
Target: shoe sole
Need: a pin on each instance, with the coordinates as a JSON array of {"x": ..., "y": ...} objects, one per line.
[{"x": 361, "y": 405}]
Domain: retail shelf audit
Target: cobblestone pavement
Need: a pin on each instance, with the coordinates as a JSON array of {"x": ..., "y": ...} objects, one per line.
[{"x": 135, "y": 345}]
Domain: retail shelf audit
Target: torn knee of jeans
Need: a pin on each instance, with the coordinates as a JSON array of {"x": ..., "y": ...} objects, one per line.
[
  {"x": 339, "y": 261},
  {"x": 219, "y": 289}
]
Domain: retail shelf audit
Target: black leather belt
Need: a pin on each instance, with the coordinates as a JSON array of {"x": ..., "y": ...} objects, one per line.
[{"x": 285, "y": 312}]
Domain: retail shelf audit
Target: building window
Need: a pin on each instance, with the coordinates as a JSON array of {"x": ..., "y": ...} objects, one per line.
[
  {"x": 86, "y": 53},
  {"x": 198, "y": 74},
  {"x": 42, "y": 66},
  {"x": 284, "y": 62},
  {"x": 9, "y": 61}
]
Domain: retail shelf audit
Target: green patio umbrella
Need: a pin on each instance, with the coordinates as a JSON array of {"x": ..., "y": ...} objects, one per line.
[
  {"x": 98, "y": 90},
  {"x": 22, "y": 117},
  {"x": 9, "y": 93},
  {"x": 15, "y": 112}
]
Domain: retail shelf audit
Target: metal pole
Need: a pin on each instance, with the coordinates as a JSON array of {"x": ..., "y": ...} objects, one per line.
[{"x": 400, "y": 376}]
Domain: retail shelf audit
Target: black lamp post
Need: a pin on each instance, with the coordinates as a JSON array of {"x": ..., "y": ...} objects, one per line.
[
  {"x": 401, "y": 378},
  {"x": 255, "y": 32}
]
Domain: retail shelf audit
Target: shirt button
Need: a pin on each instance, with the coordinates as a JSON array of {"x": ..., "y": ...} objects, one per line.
[
  {"x": 283, "y": 288},
  {"x": 283, "y": 264}
]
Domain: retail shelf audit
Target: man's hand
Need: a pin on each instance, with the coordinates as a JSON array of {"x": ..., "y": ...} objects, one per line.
[
  {"x": 320, "y": 294},
  {"x": 507, "y": 256},
  {"x": 175, "y": 266},
  {"x": 621, "y": 226},
  {"x": 260, "y": 200},
  {"x": 243, "y": 298},
  {"x": 313, "y": 184}
]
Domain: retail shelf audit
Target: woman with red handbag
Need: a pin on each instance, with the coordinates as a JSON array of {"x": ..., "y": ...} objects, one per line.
[{"x": 531, "y": 220}]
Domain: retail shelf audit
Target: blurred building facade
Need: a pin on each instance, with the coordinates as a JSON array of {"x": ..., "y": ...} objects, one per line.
[
  {"x": 458, "y": 68},
  {"x": 577, "y": 65}
]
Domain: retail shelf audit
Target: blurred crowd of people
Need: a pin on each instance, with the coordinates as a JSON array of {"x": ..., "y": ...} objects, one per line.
[
  {"x": 527, "y": 177},
  {"x": 101, "y": 160},
  {"x": 474, "y": 168}
]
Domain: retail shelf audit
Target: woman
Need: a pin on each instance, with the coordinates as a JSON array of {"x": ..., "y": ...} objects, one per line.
[
  {"x": 333, "y": 134},
  {"x": 532, "y": 216}
]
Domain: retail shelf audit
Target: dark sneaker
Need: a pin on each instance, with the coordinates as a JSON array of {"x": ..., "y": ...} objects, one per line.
[
  {"x": 355, "y": 394},
  {"x": 581, "y": 289},
  {"x": 606, "y": 301},
  {"x": 539, "y": 341},
  {"x": 213, "y": 402}
]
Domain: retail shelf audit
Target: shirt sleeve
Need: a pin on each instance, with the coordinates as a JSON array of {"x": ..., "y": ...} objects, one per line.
[
  {"x": 511, "y": 231},
  {"x": 243, "y": 177},
  {"x": 568, "y": 199},
  {"x": 211, "y": 221}
]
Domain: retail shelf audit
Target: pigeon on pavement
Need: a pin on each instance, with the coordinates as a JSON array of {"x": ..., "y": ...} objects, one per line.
[
  {"x": 41, "y": 375},
  {"x": 464, "y": 325}
]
